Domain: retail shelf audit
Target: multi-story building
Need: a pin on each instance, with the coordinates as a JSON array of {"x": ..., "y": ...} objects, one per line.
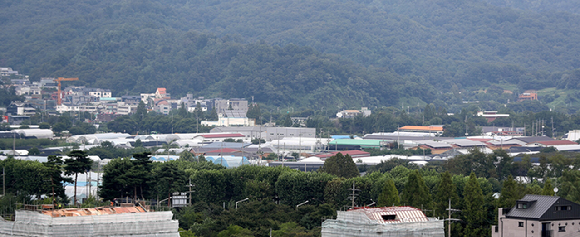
[
  {"x": 538, "y": 215},
  {"x": 238, "y": 104}
]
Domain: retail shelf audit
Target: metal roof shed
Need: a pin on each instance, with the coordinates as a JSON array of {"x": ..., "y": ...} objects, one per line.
[{"x": 355, "y": 142}]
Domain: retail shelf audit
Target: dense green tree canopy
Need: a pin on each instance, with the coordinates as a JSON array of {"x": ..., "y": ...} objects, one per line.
[{"x": 341, "y": 166}]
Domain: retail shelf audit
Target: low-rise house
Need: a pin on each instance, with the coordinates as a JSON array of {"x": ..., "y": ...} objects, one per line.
[
  {"x": 538, "y": 215},
  {"x": 528, "y": 95}
]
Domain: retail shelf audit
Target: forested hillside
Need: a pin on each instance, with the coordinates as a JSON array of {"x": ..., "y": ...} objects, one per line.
[{"x": 291, "y": 52}]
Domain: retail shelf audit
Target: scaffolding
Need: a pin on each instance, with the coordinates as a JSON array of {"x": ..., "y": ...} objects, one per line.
[
  {"x": 142, "y": 224},
  {"x": 357, "y": 223}
]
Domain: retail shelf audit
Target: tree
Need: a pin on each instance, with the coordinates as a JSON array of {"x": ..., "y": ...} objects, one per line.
[
  {"x": 415, "y": 193},
  {"x": 170, "y": 179},
  {"x": 445, "y": 191},
  {"x": 510, "y": 193},
  {"x": 182, "y": 111},
  {"x": 213, "y": 116},
  {"x": 341, "y": 166},
  {"x": 78, "y": 163},
  {"x": 389, "y": 196},
  {"x": 138, "y": 143},
  {"x": 291, "y": 229},
  {"x": 113, "y": 184},
  {"x": 187, "y": 156},
  {"x": 54, "y": 165},
  {"x": 198, "y": 111},
  {"x": 33, "y": 151},
  {"x": 474, "y": 211},
  {"x": 44, "y": 126},
  {"x": 548, "y": 189},
  {"x": 139, "y": 175},
  {"x": 287, "y": 121},
  {"x": 235, "y": 231}
]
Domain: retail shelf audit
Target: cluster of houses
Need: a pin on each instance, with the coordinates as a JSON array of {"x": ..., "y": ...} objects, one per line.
[{"x": 43, "y": 96}]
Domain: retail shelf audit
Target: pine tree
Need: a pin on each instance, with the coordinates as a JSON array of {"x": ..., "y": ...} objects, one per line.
[
  {"x": 416, "y": 193},
  {"x": 287, "y": 121},
  {"x": 509, "y": 193},
  {"x": 445, "y": 191},
  {"x": 198, "y": 111},
  {"x": 474, "y": 211},
  {"x": 389, "y": 196},
  {"x": 548, "y": 189},
  {"x": 213, "y": 116},
  {"x": 182, "y": 111},
  {"x": 78, "y": 163}
]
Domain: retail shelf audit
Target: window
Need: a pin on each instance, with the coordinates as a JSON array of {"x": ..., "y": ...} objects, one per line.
[
  {"x": 522, "y": 205},
  {"x": 563, "y": 208},
  {"x": 520, "y": 224},
  {"x": 389, "y": 217},
  {"x": 562, "y": 229}
]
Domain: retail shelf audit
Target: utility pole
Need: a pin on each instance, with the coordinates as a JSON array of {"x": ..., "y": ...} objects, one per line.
[
  {"x": 353, "y": 195},
  {"x": 14, "y": 145},
  {"x": 552, "y": 118},
  {"x": 190, "y": 192},
  {"x": 449, "y": 219}
]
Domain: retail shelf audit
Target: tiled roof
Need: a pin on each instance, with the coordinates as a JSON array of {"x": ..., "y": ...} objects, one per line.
[
  {"x": 403, "y": 214},
  {"x": 535, "y": 210}
]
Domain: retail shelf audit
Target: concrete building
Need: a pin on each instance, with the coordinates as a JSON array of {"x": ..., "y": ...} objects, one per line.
[
  {"x": 384, "y": 221},
  {"x": 102, "y": 221},
  {"x": 224, "y": 121},
  {"x": 239, "y": 104},
  {"x": 538, "y": 215}
]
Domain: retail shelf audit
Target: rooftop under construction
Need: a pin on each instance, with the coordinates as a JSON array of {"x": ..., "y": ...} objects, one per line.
[
  {"x": 384, "y": 221},
  {"x": 101, "y": 221}
]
